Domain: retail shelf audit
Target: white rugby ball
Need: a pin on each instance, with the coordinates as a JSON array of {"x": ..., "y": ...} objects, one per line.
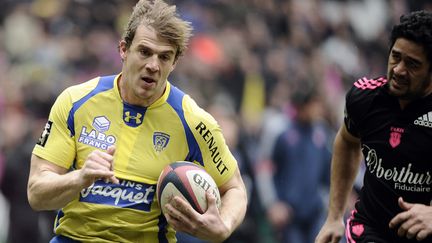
[{"x": 189, "y": 181}]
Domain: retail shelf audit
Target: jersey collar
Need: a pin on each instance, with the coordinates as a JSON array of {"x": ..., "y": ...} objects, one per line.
[{"x": 157, "y": 103}]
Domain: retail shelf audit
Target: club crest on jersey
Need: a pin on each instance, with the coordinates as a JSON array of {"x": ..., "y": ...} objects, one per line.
[
  {"x": 160, "y": 141},
  {"x": 395, "y": 136}
]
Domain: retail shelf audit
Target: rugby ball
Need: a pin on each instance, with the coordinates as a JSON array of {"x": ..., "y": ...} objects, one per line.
[{"x": 190, "y": 182}]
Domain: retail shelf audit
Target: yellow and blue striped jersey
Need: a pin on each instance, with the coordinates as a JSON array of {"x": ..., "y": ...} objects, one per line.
[{"x": 92, "y": 116}]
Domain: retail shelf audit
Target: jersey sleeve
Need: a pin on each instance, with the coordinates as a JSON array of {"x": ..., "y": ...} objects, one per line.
[
  {"x": 217, "y": 157},
  {"x": 349, "y": 117},
  {"x": 357, "y": 103},
  {"x": 359, "y": 100},
  {"x": 56, "y": 143}
]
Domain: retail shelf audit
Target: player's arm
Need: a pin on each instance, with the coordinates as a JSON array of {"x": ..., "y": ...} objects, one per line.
[
  {"x": 234, "y": 203},
  {"x": 345, "y": 164},
  {"x": 51, "y": 186}
]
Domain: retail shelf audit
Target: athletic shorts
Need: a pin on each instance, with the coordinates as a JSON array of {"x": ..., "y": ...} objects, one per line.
[
  {"x": 358, "y": 232},
  {"x": 62, "y": 239}
]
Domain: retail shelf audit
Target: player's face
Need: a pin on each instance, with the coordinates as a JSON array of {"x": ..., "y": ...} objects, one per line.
[
  {"x": 408, "y": 71},
  {"x": 146, "y": 66}
]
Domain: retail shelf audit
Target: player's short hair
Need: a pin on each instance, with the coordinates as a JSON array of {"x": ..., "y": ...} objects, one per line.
[
  {"x": 164, "y": 19},
  {"x": 417, "y": 27}
]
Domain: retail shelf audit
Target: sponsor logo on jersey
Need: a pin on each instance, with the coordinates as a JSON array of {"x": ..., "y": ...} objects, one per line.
[
  {"x": 404, "y": 178},
  {"x": 127, "y": 194},
  {"x": 45, "y": 134},
  {"x": 212, "y": 146},
  {"x": 395, "y": 136},
  {"x": 101, "y": 123},
  {"x": 132, "y": 118},
  {"x": 160, "y": 141},
  {"x": 424, "y": 120},
  {"x": 96, "y": 136}
]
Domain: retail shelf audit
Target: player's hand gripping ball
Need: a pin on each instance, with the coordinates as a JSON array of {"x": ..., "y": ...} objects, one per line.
[{"x": 189, "y": 181}]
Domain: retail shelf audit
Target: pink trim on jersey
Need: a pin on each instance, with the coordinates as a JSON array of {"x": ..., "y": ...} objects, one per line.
[
  {"x": 365, "y": 83},
  {"x": 348, "y": 235}
]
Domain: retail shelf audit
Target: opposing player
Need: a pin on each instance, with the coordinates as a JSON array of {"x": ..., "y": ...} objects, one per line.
[
  {"x": 389, "y": 120},
  {"x": 107, "y": 140}
]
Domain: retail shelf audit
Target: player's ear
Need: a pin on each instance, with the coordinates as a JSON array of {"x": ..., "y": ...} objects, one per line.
[{"x": 122, "y": 49}]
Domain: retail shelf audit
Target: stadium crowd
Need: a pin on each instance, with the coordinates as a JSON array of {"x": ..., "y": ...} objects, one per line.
[{"x": 246, "y": 60}]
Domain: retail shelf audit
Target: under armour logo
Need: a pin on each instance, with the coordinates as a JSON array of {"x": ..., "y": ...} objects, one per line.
[
  {"x": 132, "y": 119},
  {"x": 129, "y": 117}
]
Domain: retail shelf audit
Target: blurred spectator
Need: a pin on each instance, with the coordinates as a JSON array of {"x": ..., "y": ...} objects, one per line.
[
  {"x": 275, "y": 119},
  {"x": 301, "y": 158},
  {"x": 25, "y": 225}
]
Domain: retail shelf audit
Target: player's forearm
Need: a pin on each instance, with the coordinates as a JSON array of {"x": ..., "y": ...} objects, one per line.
[
  {"x": 234, "y": 205},
  {"x": 51, "y": 191},
  {"x": 345, "y": 163},
  {"x": 233, "y": 210}
]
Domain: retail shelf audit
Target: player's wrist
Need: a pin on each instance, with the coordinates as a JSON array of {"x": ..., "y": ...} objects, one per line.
[
  {"x": 227, "y": 228},
  {"x": 78, "y": 181},
  {"x": 221, "y": 237},
  {"x": 335, "y": 216}
]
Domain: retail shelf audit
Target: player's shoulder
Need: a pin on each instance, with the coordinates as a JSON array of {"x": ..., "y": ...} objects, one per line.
[
  {"x": 366, "y": 88},
  {"x": 365, "y": 83},
  {"x": 368, "y": 85}
]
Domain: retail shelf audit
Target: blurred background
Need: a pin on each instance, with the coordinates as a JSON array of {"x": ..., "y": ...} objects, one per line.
[{"x": 254, "y": 64}]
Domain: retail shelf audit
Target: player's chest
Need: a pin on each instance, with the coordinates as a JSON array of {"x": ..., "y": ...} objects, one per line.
[
  {"x": 139, "y": 135},
  {"x": 404, "y": 134}
]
